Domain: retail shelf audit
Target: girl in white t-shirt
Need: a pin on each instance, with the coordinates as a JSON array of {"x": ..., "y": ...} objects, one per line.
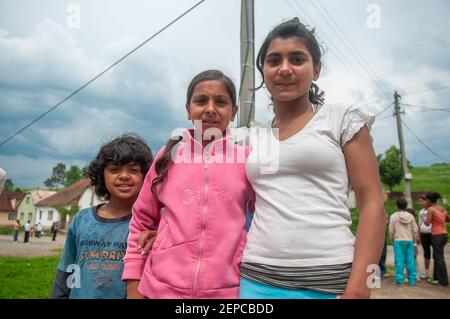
[
  {"x": 425, "y": 236},
  {"x": 300, "y": 244}
]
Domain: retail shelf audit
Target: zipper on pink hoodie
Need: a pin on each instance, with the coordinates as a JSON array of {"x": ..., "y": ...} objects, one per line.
[{"x": 220, "y": 218}]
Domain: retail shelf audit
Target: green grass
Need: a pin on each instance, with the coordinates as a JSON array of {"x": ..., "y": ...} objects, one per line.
[
  {"x": 25, "y": 278},
  {"x": 434, "y": 178},
  {"x": 390, "y": 208},
  {"x": 6, "y": 230}
]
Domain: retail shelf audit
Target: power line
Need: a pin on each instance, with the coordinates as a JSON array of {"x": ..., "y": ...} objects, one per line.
[
  {"x": 350, "y": 47},
  {"x": 336, "y": 52},
  {"x": 379, "y": 113},
  {"x": 427, "y": 107},
  {"x": 385, "y": 117},
  {"x": 421, "y": 142},
  {"x": 419, "y": 87},
  {"x": 428, "y": 89},
  {"x": 100, "y": 74}
]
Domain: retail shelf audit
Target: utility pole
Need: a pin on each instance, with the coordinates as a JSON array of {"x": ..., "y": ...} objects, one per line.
[
  {"x": 246, "y": 95},
  {"x": 406, "y": 175}
]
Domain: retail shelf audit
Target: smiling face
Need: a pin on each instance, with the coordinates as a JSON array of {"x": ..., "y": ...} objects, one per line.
[
  {"x": 211, "y": 103},
  {"x": 123, "y": 181},
  {"x": 289, "y": 69}
]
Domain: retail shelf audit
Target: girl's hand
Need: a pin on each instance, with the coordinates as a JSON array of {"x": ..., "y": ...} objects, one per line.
[
  {"x": 146, "y": 240},
  {"x": 132, "y": 290}
]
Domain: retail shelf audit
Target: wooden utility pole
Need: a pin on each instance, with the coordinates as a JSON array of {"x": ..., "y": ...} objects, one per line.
[
  {"x": 246, "y": 95},
  {"x": 406, "y": 175}
]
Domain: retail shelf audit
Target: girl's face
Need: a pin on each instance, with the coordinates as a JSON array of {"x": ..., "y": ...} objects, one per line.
[
  {"x": 425, "y": 203},
  {"x": 422, "y": 202},
  {"x": 211, "y": 104},
  {"x": 123, "y": 181},
  {"x": 289, "y": 69}
]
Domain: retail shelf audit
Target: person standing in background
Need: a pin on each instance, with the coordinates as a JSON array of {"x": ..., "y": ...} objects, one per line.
[
  {"x": 425, "y": 236},
  {"x": 27, "y": 232}
]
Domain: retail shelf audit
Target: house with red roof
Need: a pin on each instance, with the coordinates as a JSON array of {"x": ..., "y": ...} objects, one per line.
[
  {"x": 80, "y": 193},
  {"x": 9, "y": 204}
]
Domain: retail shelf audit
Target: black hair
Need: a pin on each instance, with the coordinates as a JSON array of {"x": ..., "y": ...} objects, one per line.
[
  {"x": 121, "y": 150},
  {"x": 162, "y": 164},
  {"x": 294, "y": 28},
  {"x": 401, "y": 203},
  {"x": 433, "y": 197}
]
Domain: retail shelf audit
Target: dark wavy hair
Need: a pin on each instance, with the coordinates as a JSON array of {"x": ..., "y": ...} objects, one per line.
[
  {"x": 162, "y": 164},
  {"x": 288, "y": 29},
  {"x": 401, "y": 203},
  {"x": 433, "y": 197},
  {"x": 121, "y": 150}
]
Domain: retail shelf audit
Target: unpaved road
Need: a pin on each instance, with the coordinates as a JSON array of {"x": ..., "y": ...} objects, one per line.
[{"x": 46, "y": 247}]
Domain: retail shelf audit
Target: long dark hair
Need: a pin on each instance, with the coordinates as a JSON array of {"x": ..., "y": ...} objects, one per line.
[
  {"x": 162, "y": 164},
  {"x": 294, "y": 28}
]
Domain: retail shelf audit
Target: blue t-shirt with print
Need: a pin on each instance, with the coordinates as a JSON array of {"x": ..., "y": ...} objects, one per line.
[{"x": 94, "y": 250}]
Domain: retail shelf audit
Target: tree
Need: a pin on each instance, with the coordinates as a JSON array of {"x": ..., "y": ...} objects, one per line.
[
  {"x": 58, "y": 177},
  {"x": 73, "y": 175},
  {"x": 9, "y": 185},
  {"x": 390, "y": 167},
  {"x": 71, "y": 211}
]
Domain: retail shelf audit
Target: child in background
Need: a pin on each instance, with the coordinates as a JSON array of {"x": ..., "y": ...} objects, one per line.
[
  {"x": 196, "y": 198},
  {"x": 416, "y": 244},
  {"x": 97, "y": 237},
  {"x": 425, "y": 237},
  {"x": 403, "y": 230}
]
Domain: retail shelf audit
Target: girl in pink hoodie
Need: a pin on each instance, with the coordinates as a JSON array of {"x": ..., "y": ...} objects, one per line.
[{"x": 195, "y": 194}]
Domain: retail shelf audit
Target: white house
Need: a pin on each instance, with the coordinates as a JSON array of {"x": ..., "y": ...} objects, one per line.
[{"x": 80, "y": 193}]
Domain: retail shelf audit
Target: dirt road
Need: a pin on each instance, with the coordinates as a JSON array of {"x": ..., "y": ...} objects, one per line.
[
  {"x": 45, "y": 247},
  {"x": 36, "y": 247}
]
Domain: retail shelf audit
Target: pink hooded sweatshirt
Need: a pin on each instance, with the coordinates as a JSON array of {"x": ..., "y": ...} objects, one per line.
[{"x": 200, "y": 216}]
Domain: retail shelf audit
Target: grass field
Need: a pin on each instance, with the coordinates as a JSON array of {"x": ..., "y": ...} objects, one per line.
[
  {"x": 434, "y": 178},
  {"x": 33, "y": 277},
  {"x": 25, "y": 278}
]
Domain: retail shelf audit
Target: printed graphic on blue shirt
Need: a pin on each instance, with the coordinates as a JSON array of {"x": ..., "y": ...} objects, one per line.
[{"x": 97, "y": 246}]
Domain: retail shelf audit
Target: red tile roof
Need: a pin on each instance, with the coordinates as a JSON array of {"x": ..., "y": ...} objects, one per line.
[
  {"x": 67, "y": 196},
  {"x": 5, "y": 201}
]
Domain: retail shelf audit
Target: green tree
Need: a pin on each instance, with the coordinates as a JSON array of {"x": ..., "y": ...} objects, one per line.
[
  {"x": 390, "y": 167},
  {"x": 73, "y": 175},
  {"x": 63, "y": 212},
  {"x": 58, "y": 176},
  {"x": 9, "y": 185}
]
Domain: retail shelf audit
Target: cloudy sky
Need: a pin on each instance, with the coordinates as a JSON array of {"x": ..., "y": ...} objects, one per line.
[{"x": 372, "y": 48}]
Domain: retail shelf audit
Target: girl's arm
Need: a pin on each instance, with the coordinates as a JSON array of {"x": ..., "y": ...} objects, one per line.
[
  {"x": 429, "y": 217},
  {"x": 145, "y": 215},
  {"x": 363, "y": 173}
]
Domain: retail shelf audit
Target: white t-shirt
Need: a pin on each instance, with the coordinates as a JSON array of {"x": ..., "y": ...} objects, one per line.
[
  {"x": 423, "y": 216},
  {"x": 301, "y": 214},
  {"x": 27, "y": 227}
]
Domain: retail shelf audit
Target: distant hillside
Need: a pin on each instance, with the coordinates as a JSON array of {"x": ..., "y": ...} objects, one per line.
[{"x": 434, "y": 178}]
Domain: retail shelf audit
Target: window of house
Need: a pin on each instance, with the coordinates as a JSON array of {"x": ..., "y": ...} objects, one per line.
[
  {"x": 12, "y": 216},
  {"x": 22, "y": 215},
  {"x": 30, "y": 217},
  {"x": 40, "y": 214},
  {"x": 50, "y": 215},
  {"x": 27, "y": 200}
]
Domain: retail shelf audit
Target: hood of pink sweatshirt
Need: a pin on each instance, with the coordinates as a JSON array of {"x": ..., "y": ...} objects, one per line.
[{"x": 200, "y": 216}]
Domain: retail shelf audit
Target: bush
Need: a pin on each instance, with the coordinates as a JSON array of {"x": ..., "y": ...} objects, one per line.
[{"x": 6, "y": 230}]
